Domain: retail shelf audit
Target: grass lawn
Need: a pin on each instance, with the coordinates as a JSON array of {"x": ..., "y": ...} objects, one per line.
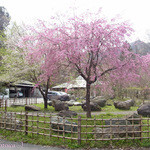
[
  {"x": 78, "y": 109},
  {"x": 72, "y": 144}
]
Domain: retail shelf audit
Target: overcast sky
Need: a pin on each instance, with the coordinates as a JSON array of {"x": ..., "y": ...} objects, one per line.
[{"x": 27, "y": 11}]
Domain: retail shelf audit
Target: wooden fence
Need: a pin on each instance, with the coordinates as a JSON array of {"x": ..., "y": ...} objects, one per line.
[
  {"x": 79, "y": 129},
  {"x": 4, "y": 103}
]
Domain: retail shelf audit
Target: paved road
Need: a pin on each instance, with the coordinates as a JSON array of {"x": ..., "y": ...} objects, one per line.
[{"x": 9, "y": 145}]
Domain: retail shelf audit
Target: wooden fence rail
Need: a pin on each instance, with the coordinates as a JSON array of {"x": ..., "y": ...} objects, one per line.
[
  {"x": 79, "y": 129},
  {"x": 4, "y": 103}
]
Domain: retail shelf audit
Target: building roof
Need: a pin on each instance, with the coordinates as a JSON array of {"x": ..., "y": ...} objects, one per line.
[
  {"x": 79, "y": 82},
  {"x": 23, "y": 83}
]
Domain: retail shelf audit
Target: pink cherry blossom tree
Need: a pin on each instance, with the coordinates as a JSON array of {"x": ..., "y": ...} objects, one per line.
[
  {"x": 144, "y": 72},
  {"x": 92, "y": 45},
  {"x": 43, "y": 56},
  {"x": 96, "y": 46}
]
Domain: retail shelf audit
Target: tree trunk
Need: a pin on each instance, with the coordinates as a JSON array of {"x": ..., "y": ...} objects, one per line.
[
  {"x": 44, "y": 97},
  {"x": 45, "y": 103},
  {"x": 88, "y": 89},
  {"x": 44, "y": 94}
]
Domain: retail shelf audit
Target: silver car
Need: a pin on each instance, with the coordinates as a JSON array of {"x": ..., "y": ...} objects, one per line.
[
  {"x": 14, "y": 94},
  {"x": 58, "y": 95}
]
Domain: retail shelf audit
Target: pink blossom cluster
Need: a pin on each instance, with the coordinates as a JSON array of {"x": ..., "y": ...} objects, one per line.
[{"x": 96, "y": 48}]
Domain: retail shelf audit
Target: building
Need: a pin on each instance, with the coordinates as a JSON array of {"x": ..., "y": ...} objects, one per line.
[
  {"x": 24, "y": 87},
  {"x": 77, "y": 87}
]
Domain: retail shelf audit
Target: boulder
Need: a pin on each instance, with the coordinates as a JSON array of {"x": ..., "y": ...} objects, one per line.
[
  {"x": 72, "y": 97},
  {"x": 71, "y": 102},
  {"x": 8, "y": 120},
  {"x": 117, "y": 132},
  {"x": 117, "y": 122},
  {"x": 100, "y": 100},
  {"x": 49, "y": 103},
  {"x": 134, "y": 118},
  {"x": 144, "y": 110},
  {"x": 59, "y": 105},
  {"x": 59, "y": 123},
  {"x": 122, "y": 105},
  {"x": 64, "y": 97},
  {"x": 109, "y": 104},
  {"x": 99, "y": 97},
  {"x": 54, "y": 101},
  {"x": 77, "y": 104},
  {"x": 124, "y": 126},
  {"x": 32, "y": 108},
  {"x": 94, "y": 107},
  {"x": 17, "y": 105},
  {"x": 131, "y": 102},
  {"x": 83, "y": 102},
  {"x": 125, "y": 105},
  {"x": 67, "y": 113}
]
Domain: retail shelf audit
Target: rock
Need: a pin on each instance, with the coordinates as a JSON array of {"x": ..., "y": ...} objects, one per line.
[
  {"x": 109, "y": 104},
  {"x": 49, "y": 103},
  {"x": 74, "y": 103},
  {"x": 144, "y": 110},
  {"x": 94, "y": 107},
  {"x": 17, "y": 105},
  {"x": 131, "y": 102},
  {"x": 59, "y": 123},
  {"x": 116, "y": 132},
  {"x": 134, "y": 118},
  {"x": 125, "y": 105},
  {"x": 10, "y": 121},
  {"x": 72, "y": 97},
  {"x": 32, "y": 108},
  {"x": 77, "y": 104},
  {"x": 59, "y": 105},
  {"x": 123, "y": 125},
  {"x": 67, "y": 113},
  {"x": 64, "y": 97},
  {"x": 121, "y": 105},
  {"x": 117, "y": 122},
  {"x": 71, "y": 102},
  {"x": 54, "y": 101},
  {"x": 99, "y": 100},
  {"x": 83, "y": 102},
  {"x": 99, "y": 97}
]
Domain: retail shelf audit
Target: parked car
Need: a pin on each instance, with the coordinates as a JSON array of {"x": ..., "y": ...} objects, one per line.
[
  {"x": 58, "y": 95},
  {"x": 14, "y": 94},
  {"x": 5, "y": 94}
]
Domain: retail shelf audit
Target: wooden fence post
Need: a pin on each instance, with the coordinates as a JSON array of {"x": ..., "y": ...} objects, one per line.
[
  {"x": 79, "y": 130},
  {"x": 6, "y": 105},
  {"x": 26, "y": 123},
  {"x": 1, "y": 102},
  {"x": 141, "y": 128}
]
